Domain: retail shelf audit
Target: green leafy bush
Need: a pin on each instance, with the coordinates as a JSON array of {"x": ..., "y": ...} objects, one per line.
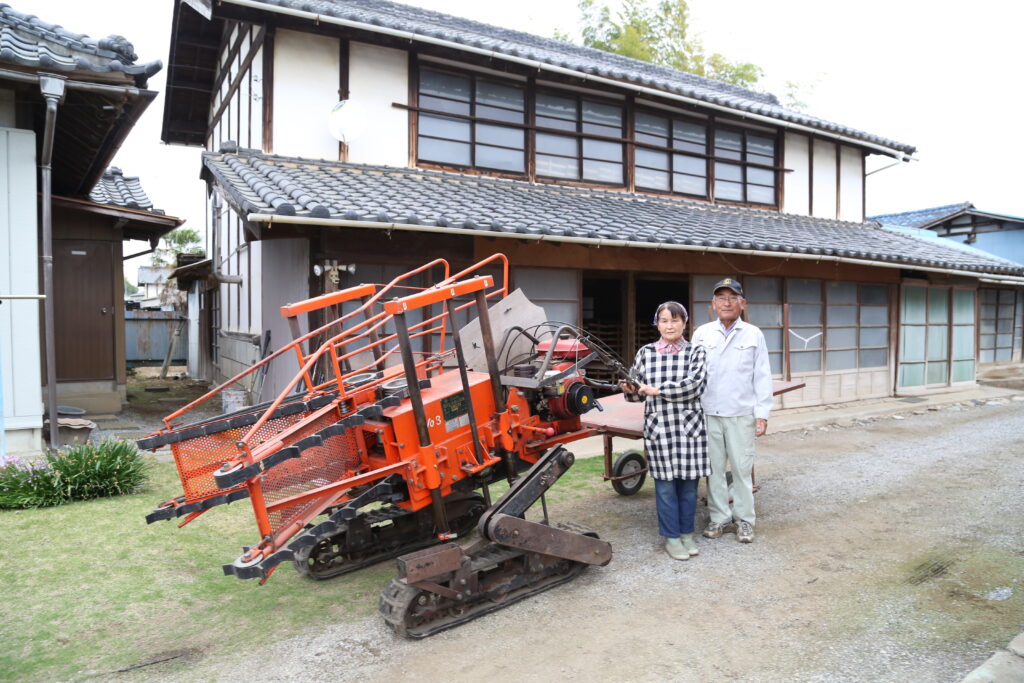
[
  {"x": 82, "y": 472},
  {"x": 27, "y": 484}
]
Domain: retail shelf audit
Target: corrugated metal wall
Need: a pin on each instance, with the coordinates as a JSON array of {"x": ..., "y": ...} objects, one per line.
[{"x": 148, "y": 335}]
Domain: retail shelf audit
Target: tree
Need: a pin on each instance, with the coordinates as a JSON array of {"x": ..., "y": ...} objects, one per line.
[
  {"x": 180, "y": 241},
  {"x": 129, "y": 288},
  {"x": 659, "y": 34}
]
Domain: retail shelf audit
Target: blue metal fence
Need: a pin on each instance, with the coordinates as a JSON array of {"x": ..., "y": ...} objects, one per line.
[{"x": 148, "y": 334}]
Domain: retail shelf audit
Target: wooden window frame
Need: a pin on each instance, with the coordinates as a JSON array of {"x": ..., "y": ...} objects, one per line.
[
  {"x": 781, "y": 327},
  {"x": 581, "y": 136},
  {"x": 672, "y": 152},
  {"x": 823, "y": 324},
  {"x": 974, "y": 322},
  {"x": 630, "y": 144},
  {"x": 857, "y": 326},
  {"x": 472, "y": 119},
  {"x": 995, "y": 334},
  {"x": 744, "y": 163}
]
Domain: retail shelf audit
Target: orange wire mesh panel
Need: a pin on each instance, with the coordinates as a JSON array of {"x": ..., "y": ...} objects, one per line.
[{"x": 317, "y": 466}]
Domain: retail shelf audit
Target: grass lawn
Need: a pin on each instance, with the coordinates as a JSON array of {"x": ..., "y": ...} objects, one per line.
[{"x": 89, "y": 589}]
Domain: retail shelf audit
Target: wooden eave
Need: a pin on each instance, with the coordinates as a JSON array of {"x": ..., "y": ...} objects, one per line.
[{"x": 133, "y": 223}]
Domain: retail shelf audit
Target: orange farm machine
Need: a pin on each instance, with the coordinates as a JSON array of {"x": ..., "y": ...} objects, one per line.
[{"x": 385, "y": 443}]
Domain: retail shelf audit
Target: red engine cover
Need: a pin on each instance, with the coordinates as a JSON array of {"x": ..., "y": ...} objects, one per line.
[{"x": 564, "y": 348}]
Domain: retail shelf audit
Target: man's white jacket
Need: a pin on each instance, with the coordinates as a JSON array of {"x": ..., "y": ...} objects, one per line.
[{"x": 739, "y": 373}]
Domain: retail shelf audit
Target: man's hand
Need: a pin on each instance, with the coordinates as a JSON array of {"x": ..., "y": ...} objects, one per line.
[
  {"x": 628, "y": 387},
  {"x": 760, "y": 426}
]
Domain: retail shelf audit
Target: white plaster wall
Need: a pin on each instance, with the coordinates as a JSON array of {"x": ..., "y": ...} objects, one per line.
[
  {"x": 229, "y": 292},
  {"x": 306, "y": 80},
  {"x": 797, "y": 179},
  {"x": 194, "y": 304},
  {"x": 245, "y": 289},
  {"x": 22, "y": 414},
  {"x": 377, "y": 78},
  {"x": 256, "y": 101},
  {"x": 254, "y": 286},
  {"x": 851, "y": 184},
  {"x": 285, "y": 280},
  {"x": 823, "y": 191}
]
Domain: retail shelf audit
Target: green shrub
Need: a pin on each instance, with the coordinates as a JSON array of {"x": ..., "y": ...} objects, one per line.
[
  {"x": 28, "y": 484},
  {"x": 82, "y": 472}
]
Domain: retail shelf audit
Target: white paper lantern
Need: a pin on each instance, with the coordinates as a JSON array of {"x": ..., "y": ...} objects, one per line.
[{"x": 346, "y": 121}]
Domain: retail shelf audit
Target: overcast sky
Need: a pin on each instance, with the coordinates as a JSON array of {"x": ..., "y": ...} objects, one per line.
[{"x": 942, "y": 76}]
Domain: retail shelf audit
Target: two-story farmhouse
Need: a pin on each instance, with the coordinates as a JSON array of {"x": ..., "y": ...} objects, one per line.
[{"x": 611, "y": 184}]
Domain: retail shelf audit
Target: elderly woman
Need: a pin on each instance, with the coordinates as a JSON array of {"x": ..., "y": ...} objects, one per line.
[{"x": 669, "y": 376}]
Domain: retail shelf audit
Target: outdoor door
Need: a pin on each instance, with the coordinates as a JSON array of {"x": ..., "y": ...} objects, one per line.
[
  {"x": 936, "y": 337},
  {"x": 84, "y": 309}
]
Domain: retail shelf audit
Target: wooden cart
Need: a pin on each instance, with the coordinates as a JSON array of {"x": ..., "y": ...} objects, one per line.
[{"x": 622, "y": 418}]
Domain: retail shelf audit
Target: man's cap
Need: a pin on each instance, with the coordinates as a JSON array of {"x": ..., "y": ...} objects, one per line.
[{"x": 729, "y": 283}]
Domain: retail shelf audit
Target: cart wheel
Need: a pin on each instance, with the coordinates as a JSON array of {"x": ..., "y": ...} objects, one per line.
[{"x": 628, "y": 463}]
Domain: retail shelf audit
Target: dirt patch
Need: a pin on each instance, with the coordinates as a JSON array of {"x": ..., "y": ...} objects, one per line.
[
  {"x": 889, "y": 551},
  {"x": 150, "y": 399}
]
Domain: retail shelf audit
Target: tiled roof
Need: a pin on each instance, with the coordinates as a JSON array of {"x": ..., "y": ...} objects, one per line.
[
  {"x": 395, "y": 16},
  {"x": 27, "y": 40},
  {"x": 266, "y": 184},
  {"x": 119, "y": 190},
  {"x": 922, "y": 217},
  {"x": 932, "y": 236}
]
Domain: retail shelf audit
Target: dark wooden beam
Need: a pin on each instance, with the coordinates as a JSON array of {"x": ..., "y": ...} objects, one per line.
[
  {"x": 225, "y": 68},
  {"x": 243, "y": 72},
  {"x": 268, "y": 92}
]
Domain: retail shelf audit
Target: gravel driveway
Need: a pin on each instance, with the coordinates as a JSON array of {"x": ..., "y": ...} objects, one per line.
[{"x": 892, "y": 551}]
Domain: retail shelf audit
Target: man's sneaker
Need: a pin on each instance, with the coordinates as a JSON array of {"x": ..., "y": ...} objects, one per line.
[
  {"x": 744, "y": 531},
  {"x": 674, "y": 548},
  {"x": 716, "y": 529},
  {"x": 689, "y": 544}
]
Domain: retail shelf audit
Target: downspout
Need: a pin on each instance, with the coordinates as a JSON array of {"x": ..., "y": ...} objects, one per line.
[{"x": 52, "y": 87}]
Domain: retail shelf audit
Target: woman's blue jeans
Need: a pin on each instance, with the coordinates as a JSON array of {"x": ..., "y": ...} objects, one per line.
[{"x": 676, "y": 500}]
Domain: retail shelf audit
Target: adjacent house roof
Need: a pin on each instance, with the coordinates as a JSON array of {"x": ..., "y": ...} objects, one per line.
[
  {"x": 952, "y": 219},
  {"x": 27, "y": 40},
  {"x": 335, "y": 193},
  {"x": 119, "y": 190},
  {"x": 123, "y": 200},
  {"x": 104, "y": 93},
  {"x": 413, "y": 23}
]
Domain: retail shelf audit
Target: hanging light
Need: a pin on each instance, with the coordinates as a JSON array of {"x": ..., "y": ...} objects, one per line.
[{"x": 346, "y": 121}]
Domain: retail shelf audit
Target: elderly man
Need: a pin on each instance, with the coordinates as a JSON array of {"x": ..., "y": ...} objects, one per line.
[{"x": 737, "y": 401}]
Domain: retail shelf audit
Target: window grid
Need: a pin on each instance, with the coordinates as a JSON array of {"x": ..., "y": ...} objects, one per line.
[
  {"x": 471, "y": 122},
  {"x": 963, "y": 351},
  {"x": 579, "y": 138},
  {"x": 932, "y": 320},
  {"x": 996, "y": 321},
  {"x": 582, "y": 138},
  {"x": 806, "y": 300},
  {"x": 857, "y": 326},
  {"x": 764, "y": 309}
]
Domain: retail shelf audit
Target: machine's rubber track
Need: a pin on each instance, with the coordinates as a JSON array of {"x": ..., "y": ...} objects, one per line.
[
  {"x": 506, "y": 576},
  {"x": 381, "y": 534}
]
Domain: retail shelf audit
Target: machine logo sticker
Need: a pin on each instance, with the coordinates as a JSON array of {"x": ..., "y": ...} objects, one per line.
[{"x": 456, "y": 411}]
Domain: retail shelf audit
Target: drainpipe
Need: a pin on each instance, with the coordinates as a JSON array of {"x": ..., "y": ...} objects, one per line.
[{"x": 52, "y": 87}]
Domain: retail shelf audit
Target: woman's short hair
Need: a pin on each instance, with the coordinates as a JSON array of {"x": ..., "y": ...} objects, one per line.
[{"x": 676, "y": 309}]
